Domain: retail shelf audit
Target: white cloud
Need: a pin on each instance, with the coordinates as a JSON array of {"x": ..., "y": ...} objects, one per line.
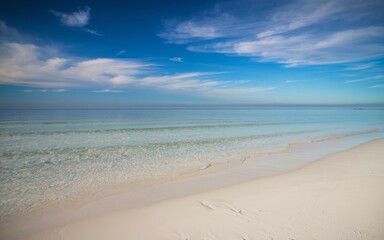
[
  {"x": 240, "y": 91},
  {"x": 378, "y": 86},
  {"x": 186, "y": 31},
  {"x": 37, "y": 90},
  {"x": 93, "y": 32},
  {"x": 60, "y": 90},
  {"x": 121, "y": 52},
  {"x": 9, "y": 32},
  {"x": 109, "y": 91},
  {"x": 201, "y": 83},
  {"x": 176, "y": 59},
  {"x": 307, "y": 49},
  {"x": 79, "y": 18},
  {"x": 357, "y": 67},
  {"x": 294, "y": 81},
  {"x": 218, "y": 24},
  {"x": 30, "y": 65},
  {"x": 301, "y": 13},
  {"x": 299, "y": 32},
  {"x": 194, "y": 81},
  {"x": 195, "y": 31},
  {"x": 365, "y": 79}
]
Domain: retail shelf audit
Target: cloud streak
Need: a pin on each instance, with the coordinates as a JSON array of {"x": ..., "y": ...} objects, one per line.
[
  {"x": 60, "y": 90},
  {"x": 121, "y": 52},
  {"x": 109, "y": 91},
  {"x": 30, "y": 65},
  {"x": 373, "y": 78},
  {"x": 46, "y": 69},
  {"x": 34, "y": 66},
  {"x": 299, "y": 32},
  {"x": 361, "y": 66},
  {"x": 176, "y": 59},
  {"x": 79, "y": 18},
  {"x": 378, "y": 86},
  {"x": 93, "y": 32},
  {"x": 295, "y": 81}
]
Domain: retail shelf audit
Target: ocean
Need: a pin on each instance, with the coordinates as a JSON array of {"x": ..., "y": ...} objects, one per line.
[{"x": 48, "y": 155}]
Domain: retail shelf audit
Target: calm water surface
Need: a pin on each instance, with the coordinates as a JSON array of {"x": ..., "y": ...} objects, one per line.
[{"x": 50, "y": 154}]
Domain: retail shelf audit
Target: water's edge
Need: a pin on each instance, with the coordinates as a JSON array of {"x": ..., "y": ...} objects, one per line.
[
  {"x": 52, "y": 156},
  {"x": 124, "y": 196}
]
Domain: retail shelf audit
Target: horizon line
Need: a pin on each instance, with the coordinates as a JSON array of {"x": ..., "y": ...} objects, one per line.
[{"x": 192, "y": 106}]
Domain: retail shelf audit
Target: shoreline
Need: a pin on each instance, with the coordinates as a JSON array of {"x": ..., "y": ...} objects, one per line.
[
  {"x": 210, "y": 167},
  {"x": 114, "y": 199}
]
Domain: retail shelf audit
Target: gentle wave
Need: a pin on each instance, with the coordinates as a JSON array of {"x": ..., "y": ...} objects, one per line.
[
  {"x": 334, "y": 137},
  {"x": 48, "y": 154},
  {"x": 121, "y": 130},
  {"x": 147, "y": 146}
]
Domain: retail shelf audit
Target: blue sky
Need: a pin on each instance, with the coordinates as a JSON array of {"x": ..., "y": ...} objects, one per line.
[{"x": 117, "y": 54}]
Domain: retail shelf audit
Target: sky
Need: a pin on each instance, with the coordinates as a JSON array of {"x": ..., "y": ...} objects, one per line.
[{"x": 65, "y": 54}]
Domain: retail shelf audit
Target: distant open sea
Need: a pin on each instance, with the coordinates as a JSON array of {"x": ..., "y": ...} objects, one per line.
[{"x": 51, "y": 154}]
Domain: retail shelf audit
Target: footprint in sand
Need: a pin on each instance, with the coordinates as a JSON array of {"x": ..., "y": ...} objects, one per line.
[
  {"x": 209, "y": 236},
  {"x": 213, "y": 206}
]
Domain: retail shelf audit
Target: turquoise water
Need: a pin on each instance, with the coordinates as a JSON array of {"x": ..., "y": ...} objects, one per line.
[{"x": 52, "y": 154}]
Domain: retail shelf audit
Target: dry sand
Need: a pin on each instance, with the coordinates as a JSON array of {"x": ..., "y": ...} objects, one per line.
[{"x": 338, "y": 197}]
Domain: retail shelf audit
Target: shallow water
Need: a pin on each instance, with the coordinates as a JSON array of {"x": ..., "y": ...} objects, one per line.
[{"x": 52, "y": 154}]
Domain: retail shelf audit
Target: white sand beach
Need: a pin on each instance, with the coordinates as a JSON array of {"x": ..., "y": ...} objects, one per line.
[
  {"x": 338, "y": 197},
  {"x": 192, "y": 120}
]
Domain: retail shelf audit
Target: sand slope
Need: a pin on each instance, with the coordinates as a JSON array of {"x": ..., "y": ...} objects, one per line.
[{"x": 339, "y": 197}]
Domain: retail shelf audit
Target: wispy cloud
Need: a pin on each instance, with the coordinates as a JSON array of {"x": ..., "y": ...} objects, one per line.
[
  {"x": 34, "y": 66},
  {"x": 35, "y": 90},
  {"x": 299, "y": 32},
  {"x": 44, "y": 90},
  {"x": 176, "y": 59},
  {"x": 188, "y": 31},
  {"x": 109, "y": 91},
  {"x": 377, "y": 77},
  {"x": 60, "y": 90},
  {"x": 10, "y": 33},
  {"x": 203, "y": 83},
  {"x": 357, "y": 67},
  {"x": 378, "y": 86},
  {"x": 93, "y": 32},
  {"x": 121, "y": 52},
  {"x": 22, "y": 66},
  {"x": 79, "y": 18},
  {"x": 50, "y": 70},
  {"x": 295, "y": 81},
  {"x": 30, "y": 65},
  {"x": 183, "y": 81},
  {"x": 240, "y": 91}
]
